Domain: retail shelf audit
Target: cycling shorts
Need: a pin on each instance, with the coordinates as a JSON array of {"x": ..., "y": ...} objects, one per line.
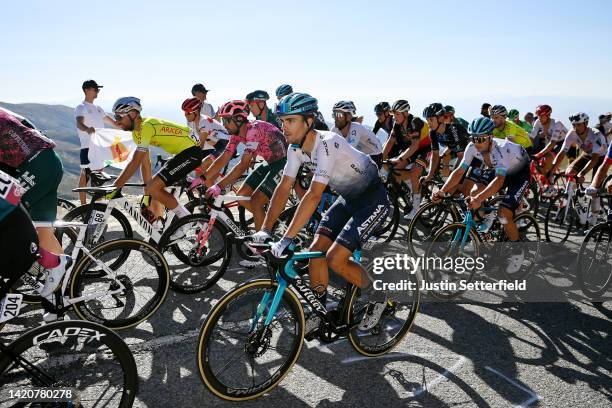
[
  {"x": 515, "y": 185},
  {"x": 84, "y": 156},
  {"x": 181, "y": 165},
  {"x": 265, "y": 177},
  {"x": 41, "y": 175},
  {"x": 351, "y": 223}
]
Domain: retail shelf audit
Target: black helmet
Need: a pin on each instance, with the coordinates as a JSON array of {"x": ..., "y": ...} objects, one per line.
[
  {"x": 258, "y": 95},
  {"x": 381, "y": 107},
  {"x": 434, "y": 109}
]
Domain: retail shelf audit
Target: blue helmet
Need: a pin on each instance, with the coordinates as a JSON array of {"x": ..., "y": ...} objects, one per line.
[
  {"x": 283, "y": 90},
  {"x": 297, "y": 104},
  {"x": 481, "y": 126}
]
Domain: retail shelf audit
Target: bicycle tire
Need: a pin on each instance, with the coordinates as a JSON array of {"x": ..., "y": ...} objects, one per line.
[
  {"x": 524, "y": 223},
  {"x": 102, "y": 337},
  {"x": 392, "y": 221},
  {"x": 429, "y": 220},
  {"x": 555, "y": 219},
  {"x": 63, "y": 207},
  {"x": 85, "y": 309},
  {"x": 79, "y": 214},
  {"x": 586, "y": 261},
  {"x": 205, "y": 358}
]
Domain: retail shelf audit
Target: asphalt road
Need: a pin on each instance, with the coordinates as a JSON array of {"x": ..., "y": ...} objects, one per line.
[{"x": 486, "y": 355}]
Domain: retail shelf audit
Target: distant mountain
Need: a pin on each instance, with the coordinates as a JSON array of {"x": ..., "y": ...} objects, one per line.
[{"x": 57, "y": 122}]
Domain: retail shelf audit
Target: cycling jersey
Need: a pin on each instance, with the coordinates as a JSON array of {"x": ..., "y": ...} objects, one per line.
[
  {"x": 271, "y": 119},
  {"x": 215, "y": 130},
  {"x": 512, "y": 129},
  {"x": 556, "y": 131},
  {"x": 362, "y": 139},
  {"x": 454, "y": 137},
  {"x": 261, "y": 139},
  {"x": 169, "y": 136},
  {"x": 461, "y": 122},
  {"x": 387, "y": 125},
  {"x": 319, "y": 122},
  {"x": 593, "y": 143},
  {"x": 18, "y": 142},
  {"x": 24, "y": 121},
  {"x": 10, "y": 194},
  {"x": 403, "y": 140},
  {"x": 609, "y": 154},
  {"x": 335, "y": 163},
  {"x": 507, "y": 158}
]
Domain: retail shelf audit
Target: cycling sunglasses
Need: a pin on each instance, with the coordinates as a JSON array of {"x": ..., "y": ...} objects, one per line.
[{"x": 479, "y": 138}]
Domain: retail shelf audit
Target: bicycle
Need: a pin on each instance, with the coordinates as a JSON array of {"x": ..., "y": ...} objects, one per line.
[
  {"x": 594, "y": 269},
  {"x": 266, "y": 328},
  {"x": 100, "y": 285},
  {"x": 65, "y": 363},
  {"x": 466, "y": 239}
]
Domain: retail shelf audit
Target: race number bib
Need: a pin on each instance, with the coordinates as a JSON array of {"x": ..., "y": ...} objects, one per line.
[{"x": 10, "y": 189}]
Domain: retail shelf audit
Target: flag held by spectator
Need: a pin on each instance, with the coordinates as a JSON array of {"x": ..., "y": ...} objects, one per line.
[{"x": 111, "y": 147}]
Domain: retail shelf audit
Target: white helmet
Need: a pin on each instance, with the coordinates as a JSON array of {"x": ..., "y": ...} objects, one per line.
[
  {"x": 346, "y": 107},
  {"x": 126, "y": 104},
  {"x": 579, "y": 117}
]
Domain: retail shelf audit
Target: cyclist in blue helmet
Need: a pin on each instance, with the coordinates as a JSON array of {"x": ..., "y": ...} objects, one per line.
[
  {"x": 362, "y": 203},
  {"x": 505, "y": 165},
  {"x": 283, "y": 90}
]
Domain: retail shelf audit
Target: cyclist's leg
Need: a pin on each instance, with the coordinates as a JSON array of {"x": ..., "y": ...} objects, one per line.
[
  {"x": 18, "y": 244},
  {"x": 516, "y": 185},
  {"x": 264, "y": 191},
  {"x": 42, "y": 175}
]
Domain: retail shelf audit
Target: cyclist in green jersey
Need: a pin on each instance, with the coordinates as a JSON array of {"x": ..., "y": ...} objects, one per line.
[
  {"x": 259, "y": 108},
  {"x": 505, "y": 129}
]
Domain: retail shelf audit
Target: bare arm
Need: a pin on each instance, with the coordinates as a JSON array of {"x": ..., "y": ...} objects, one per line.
[
  {"x": 306, "y": 208},
  {"x": 131, "y": 168},
  {"x": 236, "y": 171},
  {"x": 218, "y": 164},
  {"x": 81, "y": 125}
]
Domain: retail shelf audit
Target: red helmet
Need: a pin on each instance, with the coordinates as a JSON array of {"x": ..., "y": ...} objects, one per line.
[
  {"x": 191, "y": 105},
  {"x": 234, "y": 108},
  {"x": 543, "y": 110}
]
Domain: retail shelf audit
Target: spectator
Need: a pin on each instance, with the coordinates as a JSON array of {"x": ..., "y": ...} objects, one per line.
[
  {"x": 88, "y": 117},
  {"x": 200, "y": 92}
]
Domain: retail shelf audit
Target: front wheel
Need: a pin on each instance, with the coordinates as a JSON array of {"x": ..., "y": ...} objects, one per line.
[
  {"x": 595, "y": 261},
  {"x": 239, "y": 357},
  {"x": 559, "y": 219}
]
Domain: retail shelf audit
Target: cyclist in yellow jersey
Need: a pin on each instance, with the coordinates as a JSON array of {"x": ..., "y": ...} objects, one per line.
[
  {"x": 506, "y": 129},
  {"x": 169, "y": 136}
]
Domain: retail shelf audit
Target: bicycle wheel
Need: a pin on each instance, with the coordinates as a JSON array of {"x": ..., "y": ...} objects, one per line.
[
  {"x": 144, "y": 275},
  {"x": 530, "y": 237},
  {"x": 557, "y": 225},
  {"x": 63, "y": 207},
  {"x": 117, "y": 226},
  {"x": 594, "y": 269},
  {"x": 199, "y": 259},
  {"x": 531, "y": 199},
  {"x": 84, "y": 356},
  {"x": 239, "y": 358},
  {"x": 387, "y": 229},
  {"x": 395, "y": 322},
  {"x": 448, "y": 243},
  {"x": 305, "y": 237},
  {"x": 426, "y": 223}
]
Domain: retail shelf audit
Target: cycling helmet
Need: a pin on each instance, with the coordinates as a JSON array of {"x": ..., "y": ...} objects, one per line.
[
  {"x": 400, "y": 105},
  {"x": 345, "y": 106},
  {"x": 234, "y": 108},
  {"x": 381, "y": 107},
  {"x": 258, "y": 95},
  {"x": 498, "y": 110},
  {"x": 513, "y": 114},
  {"x": 449, "y": 109},
  {"x": 283, "y": 90},
  {"x": 543, "y": 110},
  {"x": 297, "y": 104},
  {"x": 434, "y": 109},
  {"x": 579, "y": 117},
  {"x": 191, "y": 105},
  {"x": 481, "y": 126},
  {"x": 126, "y": 104}
]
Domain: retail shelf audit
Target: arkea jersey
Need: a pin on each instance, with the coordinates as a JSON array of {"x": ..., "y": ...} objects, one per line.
[
  {"x": 262, "y": 139},
  {"x": 507, "y": 158},
  {"x": 169, "y": 136},
  {"x": 512, "y": 129},
  {"x": 335, "y": 163}
]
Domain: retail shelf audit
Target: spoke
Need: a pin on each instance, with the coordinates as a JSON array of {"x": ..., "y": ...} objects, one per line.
[{"x": 238, "y": 354}]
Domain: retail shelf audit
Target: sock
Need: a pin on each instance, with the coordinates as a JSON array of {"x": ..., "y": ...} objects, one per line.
[
  {"x": 48, "y": 260},
  {"x": 180, "y": 211},
  {"x": 371, "y": 294},
  {"x": 416, "y": 200},
  {"x": 596, "y": 205}
]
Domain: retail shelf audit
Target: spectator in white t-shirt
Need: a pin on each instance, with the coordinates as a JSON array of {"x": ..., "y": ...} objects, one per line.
[
  {"x": 200, "y": 92},
  {"x": 88, "y": 117}
]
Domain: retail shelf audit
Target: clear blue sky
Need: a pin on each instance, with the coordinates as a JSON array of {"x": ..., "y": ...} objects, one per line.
[{"x": 518, "y": 53}]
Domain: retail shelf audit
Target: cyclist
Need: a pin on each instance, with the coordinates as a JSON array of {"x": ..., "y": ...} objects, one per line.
[
  {"x": 484, "y": 109},
  {"x": 169, "y": 136},
  {"x": 515, "y": 116},
  {"x": 259, "y": 108},
  {"x": 507, "y": 129},
  {"x": 357, "y": 135},
  {"x": 384, "y": 120},
  {"x": 19, "y": 241},
  {"x": 408, "y": 143},
  {"x": 547, "y": 133},
  {"x": 451, "y": 118},
  {"x": 212, "y": 135},
  {"x": 260, "y": 139},
  {"x": 349, "y": 221},
  {"x": 283, "y": 90},
  {"x": 529, "y": 118},
  {"x": 451, "y": 136},
  {"x": 29, "y": 156},
  {"x": 596, "y": 184},
  {"x": 506, "y": 164}
]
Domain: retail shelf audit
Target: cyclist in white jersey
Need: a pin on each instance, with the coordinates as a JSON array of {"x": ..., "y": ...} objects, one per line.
[
  {"x": 362, "y": 204},
  {"x": 358, "y": 136},
  {"x": 546, "y": 135},
  {"x": 506, "y": 164}
]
